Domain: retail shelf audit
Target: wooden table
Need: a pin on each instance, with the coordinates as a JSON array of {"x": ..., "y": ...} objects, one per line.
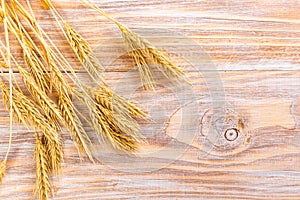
[{"x": 243, "y": 60}]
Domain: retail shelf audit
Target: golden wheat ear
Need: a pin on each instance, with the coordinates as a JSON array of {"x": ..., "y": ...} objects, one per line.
[
  {"x": 83, "y": 52},
  {"x": 142, "y": 50},
  {"x": 54, "y": 152},
  {"x": 79, "y": 45},
  {"x": 46, "y": 4},
  {"x": 43, "y": 186},
  {"x": 4, "y": 65},
  {"x": 109, "y": 99},
  {"x": 114, "y": 126},
  {"x": 1, "y": 15},
  {"x": 2, "y": 170}
]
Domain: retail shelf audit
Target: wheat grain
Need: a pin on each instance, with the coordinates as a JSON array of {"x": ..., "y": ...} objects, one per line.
[{"x": 42, "y": 187}]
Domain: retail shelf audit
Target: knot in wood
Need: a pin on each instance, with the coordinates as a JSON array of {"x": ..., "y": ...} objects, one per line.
[{"x": 231, "y": 134}]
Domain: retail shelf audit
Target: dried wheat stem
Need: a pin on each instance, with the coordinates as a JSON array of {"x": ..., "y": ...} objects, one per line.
[
  {"x": 8, "y": 60},
  {"x": 43, "y": 187}
]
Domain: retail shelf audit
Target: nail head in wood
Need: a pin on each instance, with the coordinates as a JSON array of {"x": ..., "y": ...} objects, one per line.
[{"x": 231, "y": 134}]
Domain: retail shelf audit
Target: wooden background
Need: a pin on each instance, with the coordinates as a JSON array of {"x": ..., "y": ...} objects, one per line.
[{"x": 243, "y": 60}]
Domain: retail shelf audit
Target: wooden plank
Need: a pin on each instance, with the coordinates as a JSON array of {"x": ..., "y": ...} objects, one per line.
[
  {"x": 242, "y": 58},
  {"x": 261, "y": 163}
]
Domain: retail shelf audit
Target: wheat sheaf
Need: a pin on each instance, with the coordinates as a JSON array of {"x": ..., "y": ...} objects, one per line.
[{"x": 42, "y": 98}]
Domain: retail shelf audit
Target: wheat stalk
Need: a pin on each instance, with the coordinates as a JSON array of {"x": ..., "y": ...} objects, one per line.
[
  {"x": 66, "y": 107},
  {"x": 112, "y": 116},
  {"x": 42, "y": 187},
  {"x": 30, "y": 51}
]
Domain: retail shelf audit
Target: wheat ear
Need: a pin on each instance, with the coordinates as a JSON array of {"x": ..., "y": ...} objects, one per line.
[
  {"x": 74, "y": 125},
  {"x": 108, "y": 98},
  {"x": 2, "y": 170},
  {"x": 67, "y": 109},
  {"x": 55, "y": 154},
  {"x": 140, "y": 47},
  {"x": 27, "y": 113},
  {"x": 79, "y": 45},
  {"x": 113, "y": 125},
  {"x": 36, "y": 69},
  {"x": 84, "y": 52},
  {"x": 42, "y": 187},
  {"x": 46, "y": 4},
  {"x": 141, "y": 50}
]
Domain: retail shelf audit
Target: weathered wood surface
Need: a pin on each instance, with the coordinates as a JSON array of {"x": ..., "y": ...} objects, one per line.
[{"x": 243, "y": 60}]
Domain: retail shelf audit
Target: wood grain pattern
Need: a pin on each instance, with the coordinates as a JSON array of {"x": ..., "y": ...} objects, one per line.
[{"x": 243, "y": 60}]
